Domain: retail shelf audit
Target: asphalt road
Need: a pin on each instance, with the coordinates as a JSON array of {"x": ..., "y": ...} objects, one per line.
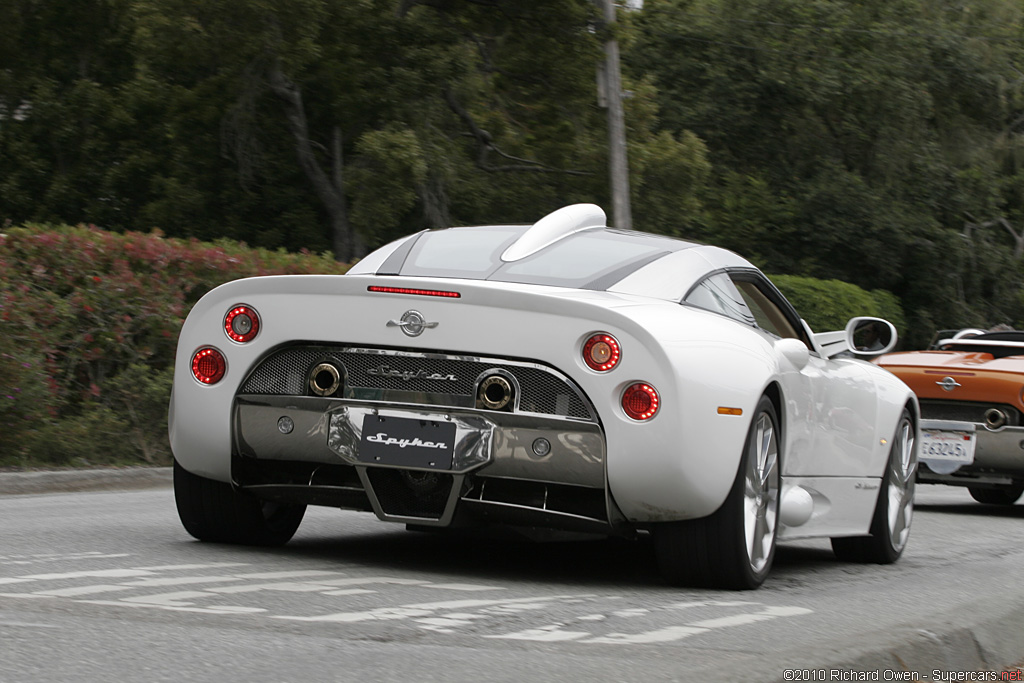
[{"x": 106, "y": 586}]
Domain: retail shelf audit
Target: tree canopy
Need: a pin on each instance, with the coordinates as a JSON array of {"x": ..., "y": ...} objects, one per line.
[{"x": 875, "y": 142}]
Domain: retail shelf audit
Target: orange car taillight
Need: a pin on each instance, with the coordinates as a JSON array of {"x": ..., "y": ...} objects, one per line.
[
  {"x": 640, "y": 401},
  {"x": 208, "y": 365},
  {"x": 241, "y": 324},
  {"x": 602, "y": 352}
]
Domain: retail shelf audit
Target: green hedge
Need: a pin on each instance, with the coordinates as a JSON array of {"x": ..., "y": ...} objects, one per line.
[
  {"x": 89, "y": 321},
  {"x": 828, "y": 305}
]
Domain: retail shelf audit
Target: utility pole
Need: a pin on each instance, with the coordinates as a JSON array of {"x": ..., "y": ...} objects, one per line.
[{"x": 610, "y": 86}]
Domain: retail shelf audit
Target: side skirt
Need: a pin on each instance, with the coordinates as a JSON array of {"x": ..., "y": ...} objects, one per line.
[{"x": 839, "y": 506}]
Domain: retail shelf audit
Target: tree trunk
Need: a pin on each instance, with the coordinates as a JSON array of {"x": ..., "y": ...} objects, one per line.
[
  {"x": 330, "y": 190},
  {"x": 1018, "y": 239}
]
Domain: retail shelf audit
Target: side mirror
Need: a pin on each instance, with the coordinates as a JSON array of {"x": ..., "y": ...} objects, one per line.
[{"x": 870, "y": 336}]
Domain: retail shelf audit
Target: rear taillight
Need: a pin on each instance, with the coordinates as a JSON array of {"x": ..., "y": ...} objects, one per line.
[
  {"x": 601, "y": 352},
  {"x": 208, "y": 365},
  {"x": 640, "y": 401},
  {"x": 241, "y": 324}
]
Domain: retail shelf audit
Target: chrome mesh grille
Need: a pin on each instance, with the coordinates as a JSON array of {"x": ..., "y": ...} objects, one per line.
[
  {"x": 542, "y": 391},
  {"x": 283, "y": 373}
]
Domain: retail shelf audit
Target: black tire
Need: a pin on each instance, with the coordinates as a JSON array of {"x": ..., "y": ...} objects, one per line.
[
  {"x": 216, "y": 512},
  {"x": 1003, "y": 495},
  {"x": 713, "y": 551},
  {"x": 890, "y": 525}
]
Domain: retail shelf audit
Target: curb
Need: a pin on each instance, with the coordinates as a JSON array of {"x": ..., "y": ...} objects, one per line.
[
  {"x": 66, "y": 481},
  {"x": 954, "y": 646}
]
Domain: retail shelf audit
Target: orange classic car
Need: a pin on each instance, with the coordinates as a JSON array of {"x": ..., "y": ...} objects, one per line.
[{"x": 970, "y": 385}]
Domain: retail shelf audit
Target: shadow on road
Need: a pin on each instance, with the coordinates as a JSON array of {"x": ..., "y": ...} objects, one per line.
[
  {"x": 481, "y": 557},
  {"x": 973, "y": 509},
  {"x": 493, "y": 557}
]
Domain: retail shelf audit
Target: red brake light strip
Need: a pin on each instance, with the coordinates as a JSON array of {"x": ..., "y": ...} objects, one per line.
[{"x": 417, "y": 292}]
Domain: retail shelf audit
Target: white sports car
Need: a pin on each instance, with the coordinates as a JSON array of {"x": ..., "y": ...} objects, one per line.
[{"x": 561, "y": 376}]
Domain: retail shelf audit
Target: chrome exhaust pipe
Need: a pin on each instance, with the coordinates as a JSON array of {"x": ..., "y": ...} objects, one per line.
[
  {"x": 324, "y": 379},
  {"x": 995, "y": 419},
  {"x": 495, "y": 393}
]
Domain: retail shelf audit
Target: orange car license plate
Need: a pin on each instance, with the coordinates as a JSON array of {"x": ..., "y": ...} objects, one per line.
[{"x": 952, "y": 446}]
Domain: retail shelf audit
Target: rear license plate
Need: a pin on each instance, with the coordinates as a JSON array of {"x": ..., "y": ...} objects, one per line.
[
  {"x": 948, "y": 446},
  {"x": 407, "y": 442}
]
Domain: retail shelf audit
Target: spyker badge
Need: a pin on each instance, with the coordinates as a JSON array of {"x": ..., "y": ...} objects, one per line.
[{"x": 412, "y": 323}]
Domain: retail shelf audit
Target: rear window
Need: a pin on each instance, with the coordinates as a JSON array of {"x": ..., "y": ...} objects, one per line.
[
  {"x": 460, "y": 252},
  {"x": 593, "y": 259}
]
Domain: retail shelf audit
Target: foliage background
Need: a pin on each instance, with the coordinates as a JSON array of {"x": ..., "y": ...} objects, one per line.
[
  {"x": 876, "y": 142},
  {"x": 89, "y": 320},
  {"x": 871, "y": 143}
]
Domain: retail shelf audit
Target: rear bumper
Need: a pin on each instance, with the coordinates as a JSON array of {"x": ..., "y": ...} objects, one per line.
[{"x": 307, "y": 450}]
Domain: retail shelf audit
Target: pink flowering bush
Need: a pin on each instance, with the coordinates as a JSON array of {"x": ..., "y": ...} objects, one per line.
[{"x": 89, "y": 320}]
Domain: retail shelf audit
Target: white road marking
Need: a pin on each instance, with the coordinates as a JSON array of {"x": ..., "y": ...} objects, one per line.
[
  {"x": 711, "y": 603},
  {"x": 441, "y": 616},
  {"x": 661, "y": 635},
  {"x": 517, "y": 607},
  {"x": 174, "y": 599},
  {"x": 286, "y": 586},
  {"x": 450, "y": 622},
  {"x": 51, "y": 557},
  {"x": 374, "y": 579},
  {"x": 545, "y": 634},
  {"x": 23, "y": 595},
  {"x": 743, "y": 619},
  {"x": 189, "y": 567},
  {"x": 225, "y": 609},
  {"x": 305, "y": 574},
  {"x": 28, "y": 624},
  {"x": 417, "y": 610},
  {"x": 379, "y": 614},
  {"x": 291, "y": 587},
  {"x": 92, "y": 574},
  {"x": 668, "y": 634},
  {"x": 82, "y": 590},
  {"x": 180, "y": 581}
]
